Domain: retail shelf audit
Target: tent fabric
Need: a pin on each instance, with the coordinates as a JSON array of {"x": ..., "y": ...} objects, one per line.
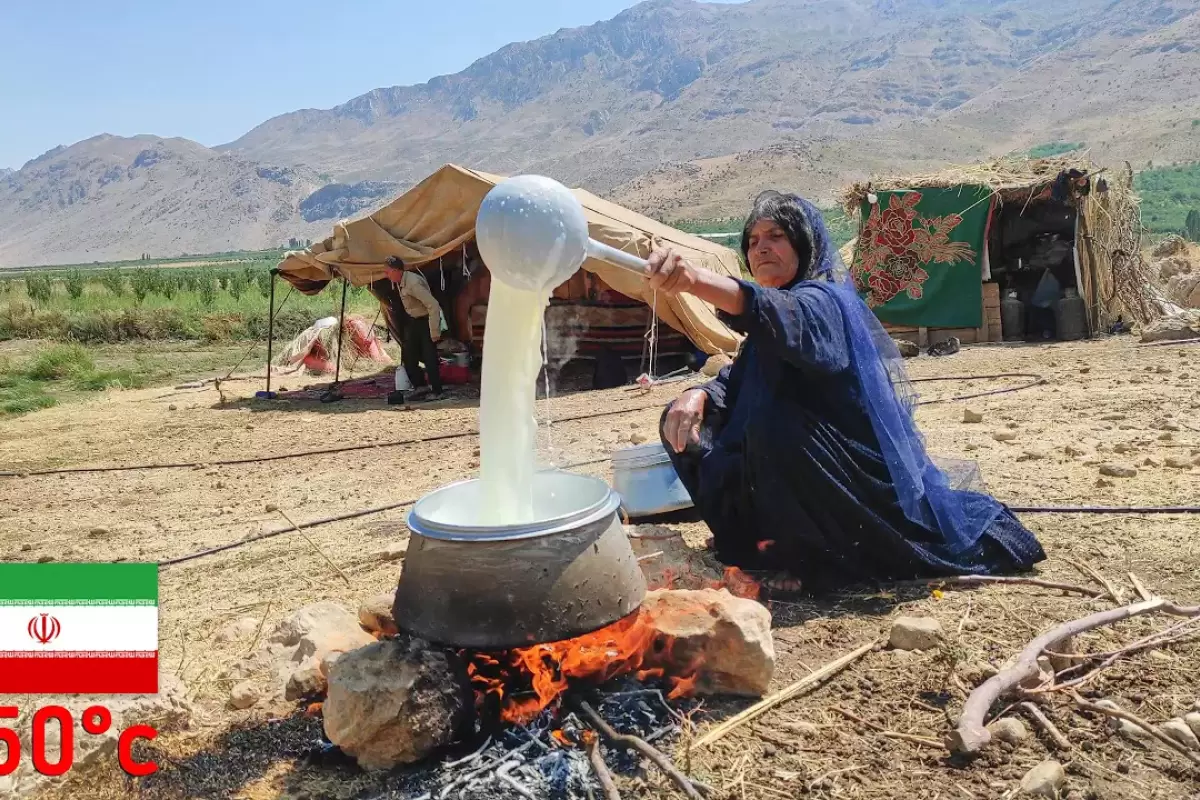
[{"x": 437, "y": 216}]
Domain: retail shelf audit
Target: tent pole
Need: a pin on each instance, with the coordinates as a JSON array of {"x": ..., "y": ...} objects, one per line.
[
  {"x": 271, "y": 328},
  {"x": 337, "y": 373}
]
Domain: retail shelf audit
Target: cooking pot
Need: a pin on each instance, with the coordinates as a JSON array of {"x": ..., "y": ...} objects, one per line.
[
  {"x": 647, "y": 482},
  {"x": 469, "y": 584}
]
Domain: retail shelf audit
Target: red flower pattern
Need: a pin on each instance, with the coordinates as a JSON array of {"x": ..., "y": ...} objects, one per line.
[{"x": 894, "y": 244}]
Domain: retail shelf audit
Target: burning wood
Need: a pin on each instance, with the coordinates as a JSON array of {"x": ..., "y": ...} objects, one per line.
[{"x": 707, "y": 641}]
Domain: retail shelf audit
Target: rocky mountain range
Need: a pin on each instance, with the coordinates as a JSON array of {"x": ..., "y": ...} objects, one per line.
[{"x": 677, "y": 108}]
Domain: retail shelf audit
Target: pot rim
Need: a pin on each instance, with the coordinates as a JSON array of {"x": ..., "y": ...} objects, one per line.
[{"x": 422, "y": 526}]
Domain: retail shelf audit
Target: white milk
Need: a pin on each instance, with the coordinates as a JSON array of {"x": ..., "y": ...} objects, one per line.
[{"x": 507, "y": 426}]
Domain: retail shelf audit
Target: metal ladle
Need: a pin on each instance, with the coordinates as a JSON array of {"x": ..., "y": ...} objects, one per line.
[{"x": 533, "y": 235}]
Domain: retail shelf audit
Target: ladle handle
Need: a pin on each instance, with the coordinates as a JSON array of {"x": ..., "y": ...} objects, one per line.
[{"x": 618, "y": 258}]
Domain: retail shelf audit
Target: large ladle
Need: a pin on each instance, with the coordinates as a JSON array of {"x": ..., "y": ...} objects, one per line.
[{"x": 533, "y": 235}]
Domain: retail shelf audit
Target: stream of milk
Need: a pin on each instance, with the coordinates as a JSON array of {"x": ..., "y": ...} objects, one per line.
[{"x": 512, "y": 347}]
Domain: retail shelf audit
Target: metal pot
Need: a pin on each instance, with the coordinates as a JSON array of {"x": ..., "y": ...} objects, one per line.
[{"x": 471, "y": 585}]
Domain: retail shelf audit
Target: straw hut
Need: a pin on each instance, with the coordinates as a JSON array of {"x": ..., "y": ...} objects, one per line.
[{"x": 937, "y": 253}]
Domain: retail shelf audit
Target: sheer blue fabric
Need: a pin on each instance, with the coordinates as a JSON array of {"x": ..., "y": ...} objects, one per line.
[{"x": 923, "y": 490}]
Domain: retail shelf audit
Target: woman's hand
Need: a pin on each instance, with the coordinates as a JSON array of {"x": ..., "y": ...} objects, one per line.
[
  {"x": 682, "y": 424},
  {"x": 670, "y": 272}
]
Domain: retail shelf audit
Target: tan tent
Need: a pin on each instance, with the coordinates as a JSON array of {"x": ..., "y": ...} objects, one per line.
[{"x": 437, "y": 217}]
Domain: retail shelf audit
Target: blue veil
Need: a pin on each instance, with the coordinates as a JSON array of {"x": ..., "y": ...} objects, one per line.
[{"x": 923, "y": 489}]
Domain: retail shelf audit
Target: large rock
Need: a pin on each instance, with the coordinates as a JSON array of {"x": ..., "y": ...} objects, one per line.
[
  {"x": 1174, "y": 328},
  {"x": 1044, "y": 780},
  {"x": 727, "y": 637},
  {"x": 395, "y": 702},
  {"x": 1009, "y": 729},
  {"x": 907, "y": 349},
  {"x": 320, "y": 629},
  {"x": 1172, "y": 245},
  {"x": 376, "y": 614},
  {"x": 915, "y": 633}
]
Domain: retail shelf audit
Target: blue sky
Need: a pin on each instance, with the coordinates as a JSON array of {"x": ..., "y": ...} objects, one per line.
[{"x": 210, "y": 70}]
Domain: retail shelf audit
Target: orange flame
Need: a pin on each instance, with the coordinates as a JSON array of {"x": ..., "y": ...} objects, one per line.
[
  {"x": 628, "y": 646},
  {"x": 739, "y": 584}
]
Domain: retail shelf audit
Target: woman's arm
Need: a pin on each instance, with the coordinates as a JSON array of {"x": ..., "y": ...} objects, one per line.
[{"x": 803, "y": 327}]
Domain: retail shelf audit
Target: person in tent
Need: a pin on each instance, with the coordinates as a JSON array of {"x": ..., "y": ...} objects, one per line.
[
  {"x": 422, "y": 330},
  {"x": 802, "y": 456}
]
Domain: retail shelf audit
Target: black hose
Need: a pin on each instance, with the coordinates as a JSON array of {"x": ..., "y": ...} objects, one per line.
[
  {"x": 1105, "y": 509},
  {"x": 317, "y": 522},
  {"x": 299, "y": 454}
]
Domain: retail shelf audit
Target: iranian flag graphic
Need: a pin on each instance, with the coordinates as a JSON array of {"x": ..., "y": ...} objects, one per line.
[{"x": 78, "y": 628}]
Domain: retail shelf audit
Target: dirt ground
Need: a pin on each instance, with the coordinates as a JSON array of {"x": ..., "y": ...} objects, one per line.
[{"x": 1100, "y": 397}]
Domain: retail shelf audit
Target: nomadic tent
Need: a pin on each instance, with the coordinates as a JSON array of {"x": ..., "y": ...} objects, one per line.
[
  {"x": 935, "y": 252},
  {"x": 433, "y": 226}
]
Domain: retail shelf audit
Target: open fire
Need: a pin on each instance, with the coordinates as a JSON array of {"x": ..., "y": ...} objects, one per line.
[{"x": 517, "y": 685}]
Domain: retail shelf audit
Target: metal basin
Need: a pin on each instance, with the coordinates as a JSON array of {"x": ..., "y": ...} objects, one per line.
[{"x": 467, "y": 584}]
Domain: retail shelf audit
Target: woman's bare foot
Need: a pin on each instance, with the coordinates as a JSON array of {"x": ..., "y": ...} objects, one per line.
[{"x": 781, "y": 583}]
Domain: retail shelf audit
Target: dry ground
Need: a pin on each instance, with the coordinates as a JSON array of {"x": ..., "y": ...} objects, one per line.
[{"x": 159, "y": 514}]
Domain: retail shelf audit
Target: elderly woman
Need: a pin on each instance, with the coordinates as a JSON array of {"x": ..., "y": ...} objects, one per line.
[{"x": 802, "y": 456}]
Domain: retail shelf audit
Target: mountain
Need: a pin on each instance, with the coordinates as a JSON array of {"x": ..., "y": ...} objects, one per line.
[
  {"x": 678, "y": 108},
  {"x": 110, "y": 197}
]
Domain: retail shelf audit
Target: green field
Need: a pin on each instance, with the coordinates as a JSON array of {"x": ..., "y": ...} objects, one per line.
[
  {"x": 1168, "y": 195},
  {"x": 155, "y": 303}
]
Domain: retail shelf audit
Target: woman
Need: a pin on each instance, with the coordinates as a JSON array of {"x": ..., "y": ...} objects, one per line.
[{"x": 802, "y": 455}]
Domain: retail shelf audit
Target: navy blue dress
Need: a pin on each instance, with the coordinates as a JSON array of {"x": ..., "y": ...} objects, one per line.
[{"x": 789, "y": 474}]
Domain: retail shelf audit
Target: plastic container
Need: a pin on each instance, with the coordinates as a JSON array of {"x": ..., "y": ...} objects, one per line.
[
  {"x": 1012, "y": 317},
  {"x": 646, "y": 481},
  {"x": 1070, "y": 316}
]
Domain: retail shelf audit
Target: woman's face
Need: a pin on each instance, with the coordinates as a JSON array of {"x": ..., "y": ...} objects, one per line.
[{"x": 773, "y": 260}]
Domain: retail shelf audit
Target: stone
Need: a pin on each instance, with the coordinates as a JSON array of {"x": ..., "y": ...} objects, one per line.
[
  {"x": 801, "y": 728},
  {"x": 25, "y": 548},
  {"x": 1121, "y": 448},
  {"x": 1114, "y": 418},
  {"x": 243, "y": 696},
  {"x": 727, "y": 637},
  {"x": 715, "y": 364},
  {"x": 915, "y": 633},
  {"x": 395, "y": 702},
  {"x": 242, "y": 628},
  {"x": 270, "y": 508},
  {"x": 393, "y": 552},
  {"x": 1192, "y": 720},
  {"x": 907, "y": 349},
  {"x": 1174, "y": 328},
  {"x": 172, "y": 407},
  {"x": 98, "y": 532},
  {"x": 972, "y": 417},
  {"x": 376, "y": 614},
  {"x": 1103, "y": 484},
  {"x": 320, "y": 629},
  {"x": 1123, "y": 727},
  {"x": 1044, "y": 780},
  {"x": 1150, "y": 461},
  {"x": 1118, "y": 470},
  {"x": 1032, "y": 454},
  {"x": 1009, "y": 729},
  {"x": 1005, "y": 436},
  {"x": 638, "y": 437},
  {"x": 1179, "y": 730},
  {"x": 307, "y": 680},
  {"x": 1179, "y": 462}
]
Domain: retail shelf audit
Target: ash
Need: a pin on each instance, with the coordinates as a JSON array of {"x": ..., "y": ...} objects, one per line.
[{"x": 547, "y": 758}]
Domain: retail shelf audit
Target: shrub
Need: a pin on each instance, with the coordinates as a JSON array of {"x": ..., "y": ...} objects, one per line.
[
  {"x": 39, "y": 287},
  {"x": 74, "y": 282},
  {"x": 58, "y": 362},
  {"x": 114, "y": 281}
]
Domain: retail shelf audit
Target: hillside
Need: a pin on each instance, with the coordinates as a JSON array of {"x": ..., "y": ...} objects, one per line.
[{"x": 680, "y": 109}]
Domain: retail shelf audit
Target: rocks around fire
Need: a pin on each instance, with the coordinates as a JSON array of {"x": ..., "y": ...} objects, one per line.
[
  {"x": 727, "y": 637},
  {"x": 395, "y": 702},
  {"x": 376, "y": 616},
  {"x": 289, "y": 661}
]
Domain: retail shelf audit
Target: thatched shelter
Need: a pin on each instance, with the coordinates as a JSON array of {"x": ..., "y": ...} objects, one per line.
[{"x": 936, "y": 253}]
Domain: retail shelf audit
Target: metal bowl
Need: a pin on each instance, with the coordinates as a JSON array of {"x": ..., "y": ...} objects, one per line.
[{"x": 468, "y": 584}]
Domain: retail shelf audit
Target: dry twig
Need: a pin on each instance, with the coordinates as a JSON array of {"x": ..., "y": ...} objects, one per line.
[
  {"x": 1141, "y": 723},
  {"x": 971, "y": 736},
  {"x": 904, "y": 737},
  {"x": 313, "y": 544},
  {"x": 1092, "y": 573},
  {"x": 783, "y": 695},
  {"x": 1141, "y": 587},
  {"x": 642, "y": 746},
  {"x": 601, "y": 769},
  {"x": 1043, "y": 722},
  {"x": 1014, "y": 580}
]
